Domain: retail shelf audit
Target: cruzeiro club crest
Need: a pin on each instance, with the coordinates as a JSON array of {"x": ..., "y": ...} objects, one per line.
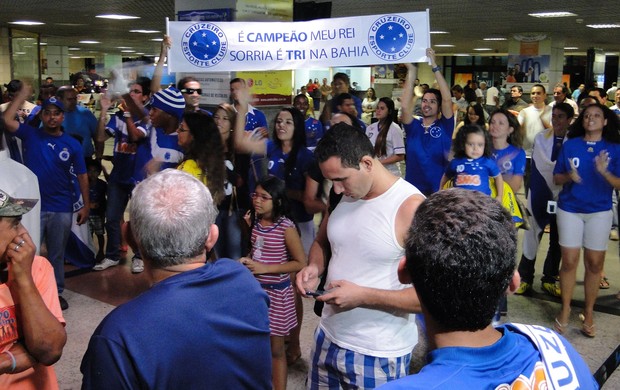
[
  {"x": 204, "y": 45},
  {"x": 391, "y": 37}
]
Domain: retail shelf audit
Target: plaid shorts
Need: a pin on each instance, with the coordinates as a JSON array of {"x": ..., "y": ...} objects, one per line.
[
  {"x": 95, "y": 223},
  {"x": 334, "y": 367}
]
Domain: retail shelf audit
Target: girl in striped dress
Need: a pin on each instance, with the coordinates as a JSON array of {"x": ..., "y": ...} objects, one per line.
[{"x": 276, "y": 252}]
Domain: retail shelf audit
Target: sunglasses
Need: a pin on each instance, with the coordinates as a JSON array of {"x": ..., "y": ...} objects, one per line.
[{"x": 190, "y": 91}]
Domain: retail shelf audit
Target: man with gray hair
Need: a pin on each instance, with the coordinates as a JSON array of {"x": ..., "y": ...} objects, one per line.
[{"x": 202, "y": 324}]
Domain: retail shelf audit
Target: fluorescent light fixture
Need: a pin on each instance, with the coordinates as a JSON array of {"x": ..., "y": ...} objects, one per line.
[
  {"x": 140, "y": 54},
  {"x": 128, "y": 51},
  {"x": 157, "y": 39},
  {"x": 74, "y": 48},
  {"x": 558, "y": 14},
  {"x": 117, "y": 17},
  {"x": 494, "y": 39},
  {"x": 610, "y": 25},
  {"x": 43, "y": 43},
  {"x": 461, "y": 55},
  {"x": 145, "y": 31},
  {"x": 20, "y": 53},
  {"x": 124, "y": 47},
  {"x": 611, "y": 54},
  {"x": 482, "y": 48},
  {"x": 90, "y": 42},
  {"x": 446, "y": 45},
  {"x": 75, "y": 57},
  {"x": 439, "y": 32},
  {"x": 27, "y": 23},
  {"x": 571, "y": 48}
]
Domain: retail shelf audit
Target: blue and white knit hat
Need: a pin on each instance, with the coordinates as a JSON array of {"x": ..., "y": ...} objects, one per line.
[{"x": 169, "y": 100}]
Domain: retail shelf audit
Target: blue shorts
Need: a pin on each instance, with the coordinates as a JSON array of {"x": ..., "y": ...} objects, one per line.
[{"x": 334, "y": 367}]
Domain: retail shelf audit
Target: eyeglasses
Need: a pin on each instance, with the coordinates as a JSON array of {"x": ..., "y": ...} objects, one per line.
[
  {"x": 255, "y": 195},
  {"x": 135, "y": 91},
  {"x": 190, "y": 91}
]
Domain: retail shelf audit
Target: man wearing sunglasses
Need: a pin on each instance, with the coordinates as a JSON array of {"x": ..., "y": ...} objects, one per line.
[{"x": 190, "y": 88}]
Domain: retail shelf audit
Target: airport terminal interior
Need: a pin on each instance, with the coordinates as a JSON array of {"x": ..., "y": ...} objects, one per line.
[{"x": 479, "y": 40}]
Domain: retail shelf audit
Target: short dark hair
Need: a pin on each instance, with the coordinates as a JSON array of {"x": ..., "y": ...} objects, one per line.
[
  {"x": 237, "y": 80},
  {"x": 300, "y": 96},
  {"x": 339, "y": 100},
  {"x": 145, "y": 83},
  {"x": 461, "y": 251},
  {"x": 565, "y": 108},
  {"x": 346, "y": 142},
  {"x": 185, "y": 80},
  {"x": 520, "y": 88},
  {"x": 457, "y": 88},
  {"x": 343, "y": 77}
]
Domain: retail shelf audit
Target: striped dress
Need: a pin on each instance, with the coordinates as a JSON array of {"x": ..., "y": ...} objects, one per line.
[{"x": 269, "y": 247}]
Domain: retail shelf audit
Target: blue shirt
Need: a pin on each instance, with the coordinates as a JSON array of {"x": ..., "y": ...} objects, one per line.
[
  {"x": 510, "y": 160},
  {"x": 124, "y": 150},
  {"x": 206, "y": 328},
  {"x": 52, "y": 158},
  {"x": 513, "y": 358},
  {"x": 82, "y": 122},
  {"x": 159, "y": 146},
  {"x": 594, "y": 193},
  {"x": 295, "y": 180},
  {"x": 314, "y": 132},
  {"x": 427, "y": 152},
  {"x": 472, "y": 174}
]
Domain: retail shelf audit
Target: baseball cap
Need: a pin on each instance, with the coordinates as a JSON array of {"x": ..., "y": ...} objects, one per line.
[
  {"x": 53, "y": 101},
  {"x": 13, "y": 207}
]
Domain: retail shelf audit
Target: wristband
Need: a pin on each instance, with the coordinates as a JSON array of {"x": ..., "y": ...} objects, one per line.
[
  {"x": 13, "y": 361},
  {"x": 127, "y": 114},
  {"x": 435, "y": 69}
]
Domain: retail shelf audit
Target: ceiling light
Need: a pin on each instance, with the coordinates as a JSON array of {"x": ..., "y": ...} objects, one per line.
[
  {"x": 603, "y": 25},
  {"x": 117, "y": 17},
  {"x": 157, "y": 39},
  {"x": 74, "y": 48},
  {"x": 75, "y": 57},
  {"x": 494, "y": 39},
  {"x": 124, "y": 47},
  {"x": 444, "y": 45},
  {"x": 145, "y": 31},
  {"x": 27, "y": 23},
  {"x": 461, "y": 55},
  {"x": 20, "y": 53},
  {"x": 90, "y": 42},
  {"x": 558, "y": 14},
  {"x": 128, "y": 51},
  {"x": 571, "y": 48},
  {"x": 439, "y": 32},
  {"x": 43, "y": 43},
  {"x": 482, "y": 48}
]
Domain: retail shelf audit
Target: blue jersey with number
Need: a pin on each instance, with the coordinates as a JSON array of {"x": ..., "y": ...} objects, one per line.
[
  {"x": 472, "y": 174},
  {"x": 594, "y": 193}
]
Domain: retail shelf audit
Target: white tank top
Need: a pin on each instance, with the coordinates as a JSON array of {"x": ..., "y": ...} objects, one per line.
[{"x": 365, "y": 251}]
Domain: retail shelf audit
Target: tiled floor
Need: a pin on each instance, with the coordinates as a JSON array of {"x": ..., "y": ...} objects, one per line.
[{"x": 92, "y": 295}]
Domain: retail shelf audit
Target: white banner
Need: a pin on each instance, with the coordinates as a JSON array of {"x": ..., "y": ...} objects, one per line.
[{"x": 360, "y": 40}]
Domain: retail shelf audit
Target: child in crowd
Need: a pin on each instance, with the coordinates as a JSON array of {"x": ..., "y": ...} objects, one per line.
[
  {"x": 276, "y": 252},
  {"x": 472, "y": 165},
  {"x": 97, "y": 193}
]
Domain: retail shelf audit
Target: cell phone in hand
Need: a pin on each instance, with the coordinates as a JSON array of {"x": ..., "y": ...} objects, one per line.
[{"x": 316, "y": 293}]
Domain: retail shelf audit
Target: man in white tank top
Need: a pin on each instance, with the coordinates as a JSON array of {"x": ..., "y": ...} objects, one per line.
[{"x": 367, "y": 330}]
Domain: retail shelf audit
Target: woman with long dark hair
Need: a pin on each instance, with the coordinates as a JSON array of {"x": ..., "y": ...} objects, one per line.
[
  {"x": 588, "y": 168},
  {"x": 203, "y": 152},
  {"x": 386, "y": 136}
]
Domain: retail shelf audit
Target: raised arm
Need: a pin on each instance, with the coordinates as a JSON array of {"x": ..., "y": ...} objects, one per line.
[
  {"x": 244, "y": 143},
  {"x": 406, "y": 100},
  {"x": 43, "y": 335},
  {"x": 159, "y": 68},
  {"x": 10, "y": 121},
  {"x": 105, "y": 103},
  {"x": 446, "y": 97}
]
